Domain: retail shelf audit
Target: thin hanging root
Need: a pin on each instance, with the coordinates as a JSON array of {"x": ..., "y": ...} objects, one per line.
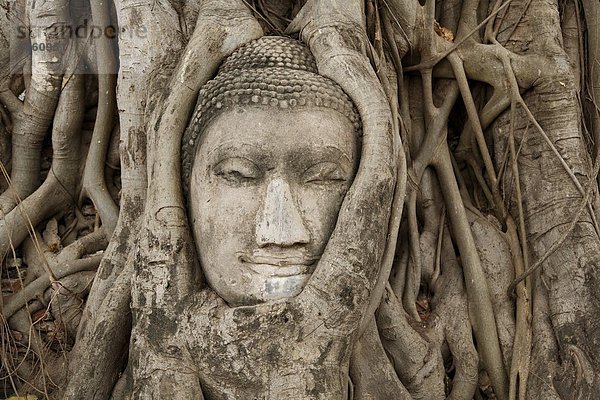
[
  {"x": 262, "y": 16},
  {"x": 401, "y": 97},
  {"x": 516, "y": 24},
  {"x": 516, "y": 95},
  {"x": 437, "y": 118},
  {"x": 23, "y": 228},
  {"x": 586, "y": 194},
  {"x": 481, "y": 180},
  {"x": 463, "y": 84},
  {"x": 495, "y": 106},
  {"x": 413, "y": 270},
  {"x": 480, "y": 305},
  {"x": 519, "y": 369},
  {"x": 517, "y": 179},
  {"x": 94, "y": 184},
  {"x": 429, "y": 148},
  {"x": 493, "y": 25},
  {"x": 438, "y": 248},
  {"x": 477, "y": 127},
  {"x": 405, "y": 10},
  {"x": 8, "y": 348},
  {"x": 523, "y": 332},
  {"x": 591, "y": 9},
  {"x": 522, "y": 348},
  {"x": 21, "y": 322},
  {"x": 504, "y": 163}
]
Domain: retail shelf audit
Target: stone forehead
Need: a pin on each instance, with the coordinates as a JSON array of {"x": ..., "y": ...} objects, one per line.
[{"x": 271, "y": 71}]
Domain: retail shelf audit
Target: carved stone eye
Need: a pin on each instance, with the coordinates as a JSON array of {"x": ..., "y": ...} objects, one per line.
[
  {"x": 324, "y": 172},
  {"x": 237, "y": 170}
]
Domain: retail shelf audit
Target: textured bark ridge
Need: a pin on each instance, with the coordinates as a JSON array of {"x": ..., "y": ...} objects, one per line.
[{"x": 449, "y": 248}]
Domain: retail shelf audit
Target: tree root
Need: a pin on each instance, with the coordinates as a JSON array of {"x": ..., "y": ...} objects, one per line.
[
  {"x": 57, "y": 192},
  {"x": 102, "y": 345},
  {"x": 66, "y": 303},
  {"x": 33, "y": 118},
  {"x": 369, "y": 382},
  {"x": 37, "y": 287},
  {"x": 414, "y": 267},
  {"x": 387, "y": 260},
  {"x": 483, "y": 321},
  {"x": 497, "y": 262},
  {"x": 94, "y": 184},
  {"x": 451, "y": 308},
  {"x": 21, "y": 322},
  {"x": 415, "y": 360},
  {"x": 434, "y": 151},
  {"x": 521, "y": 356}
]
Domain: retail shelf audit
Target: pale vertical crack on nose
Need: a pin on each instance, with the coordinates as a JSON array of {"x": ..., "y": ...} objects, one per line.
[{"x": 281, "y": 222}]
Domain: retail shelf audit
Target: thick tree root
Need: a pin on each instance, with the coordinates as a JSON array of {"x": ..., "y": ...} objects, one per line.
[
  {"x": 57, "y": 192},
  {"x": 369, "y": 382},
  {"x": 33, "y": 118}
]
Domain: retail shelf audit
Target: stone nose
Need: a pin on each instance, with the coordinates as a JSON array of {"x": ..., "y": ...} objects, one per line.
[{"x": 280, "y": 222}]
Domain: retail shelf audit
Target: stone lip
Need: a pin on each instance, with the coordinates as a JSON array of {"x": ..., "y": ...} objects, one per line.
[{"x": 287, "y": 263}]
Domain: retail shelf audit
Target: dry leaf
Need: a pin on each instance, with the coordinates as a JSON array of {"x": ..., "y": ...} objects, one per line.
[{"x": 444, "y": 32}]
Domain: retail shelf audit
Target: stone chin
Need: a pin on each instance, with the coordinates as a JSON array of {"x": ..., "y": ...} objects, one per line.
[
  {"x": 277, "y": 288},
  {"x": 256, "y": 288}
]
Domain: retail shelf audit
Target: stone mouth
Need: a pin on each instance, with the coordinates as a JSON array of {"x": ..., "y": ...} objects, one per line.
[
  {"x": 281, "y": 271},
  {"x": 280, "y": 265}
]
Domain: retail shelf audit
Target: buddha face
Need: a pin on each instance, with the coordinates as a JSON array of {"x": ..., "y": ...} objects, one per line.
[{"x": 265, "y": 191}]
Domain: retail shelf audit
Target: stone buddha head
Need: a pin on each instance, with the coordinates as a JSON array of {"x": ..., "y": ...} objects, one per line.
[{"x": 267, "y": 159}]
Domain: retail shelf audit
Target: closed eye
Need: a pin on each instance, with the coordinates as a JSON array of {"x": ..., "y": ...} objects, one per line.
[
  {"x": 237, "y": 170},
  {"x": 325, "y": 172}
]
